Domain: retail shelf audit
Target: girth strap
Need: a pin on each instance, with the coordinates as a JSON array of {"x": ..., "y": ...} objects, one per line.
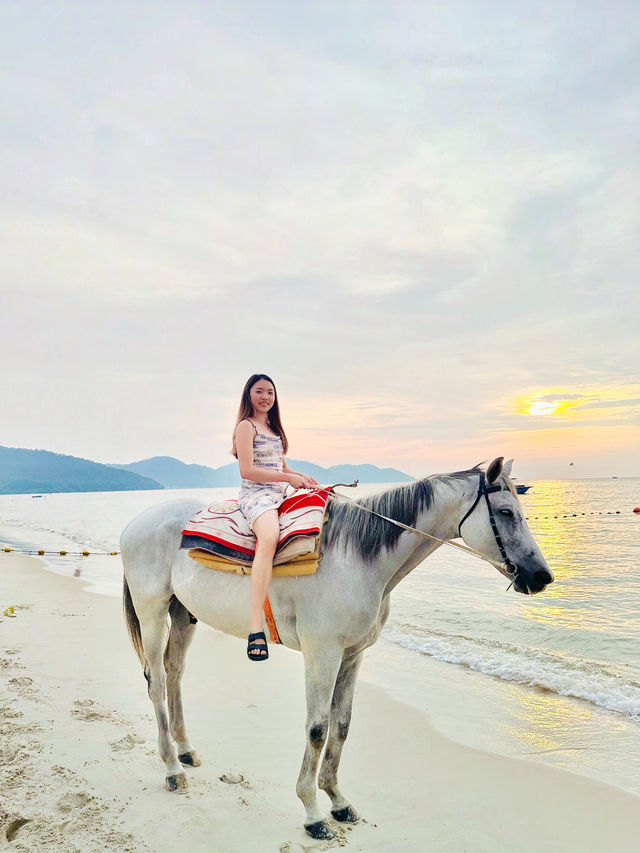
[{"x": 271, "y": 622}]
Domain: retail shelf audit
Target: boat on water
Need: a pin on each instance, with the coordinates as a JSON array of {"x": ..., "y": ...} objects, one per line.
[{"x": 521, "y": 489}]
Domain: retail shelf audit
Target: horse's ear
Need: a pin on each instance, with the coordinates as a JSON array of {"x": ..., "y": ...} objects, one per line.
[
  {"x": 495, "y": 469},
  {"x": 506, "y": 468}
]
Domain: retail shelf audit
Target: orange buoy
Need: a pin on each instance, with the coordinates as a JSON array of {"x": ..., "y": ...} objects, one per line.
[{"x": 637, "y": 509}]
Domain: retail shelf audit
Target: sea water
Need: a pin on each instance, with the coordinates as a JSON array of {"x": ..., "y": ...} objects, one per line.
[{"x": 553, "y": 677}]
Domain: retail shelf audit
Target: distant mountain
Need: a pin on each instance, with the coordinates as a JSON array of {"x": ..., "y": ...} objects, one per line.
[
  {"x": 38, "y": 471},
  {"x": 25, "y": 471},
  {"x": 174, "y": 474},
  {"x": 347, "y": 473}
]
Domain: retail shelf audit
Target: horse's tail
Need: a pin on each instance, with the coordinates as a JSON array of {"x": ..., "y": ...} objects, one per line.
[{"x": 133, "y": 623}]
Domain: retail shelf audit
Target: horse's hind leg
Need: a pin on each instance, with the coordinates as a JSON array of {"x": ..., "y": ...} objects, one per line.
[
  {"x": 321, "y": 669},
  {"x": 341, "y": 705},
  {"x": 152, "y": 614},
  {"x": 182, "y": 630}
]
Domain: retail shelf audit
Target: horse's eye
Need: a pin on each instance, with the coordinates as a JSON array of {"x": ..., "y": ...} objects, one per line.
[{"x": 506, "y": 512}]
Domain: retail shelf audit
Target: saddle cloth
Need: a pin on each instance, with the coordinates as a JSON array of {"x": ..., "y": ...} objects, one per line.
[{"x": 220, "y": 538}]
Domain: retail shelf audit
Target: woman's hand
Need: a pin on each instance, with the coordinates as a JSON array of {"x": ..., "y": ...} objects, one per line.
[
  {"x": 301, "y": 481},
  {"x": 297, "y": 481}
]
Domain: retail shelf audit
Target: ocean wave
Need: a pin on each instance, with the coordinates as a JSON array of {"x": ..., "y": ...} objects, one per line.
[{"x": 561, "y": 674}]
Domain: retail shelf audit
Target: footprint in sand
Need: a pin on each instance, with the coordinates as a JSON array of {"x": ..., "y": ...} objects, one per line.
[
  {"x": 87, "y": 710},
  {"x": 24, "y": 685},
  {"x": 11, "y": 828},
  {"x": 232, "y": 778},
  {"x": 7, "y": 663},
  {"x": 9, "y": 751},
  {"x": 74, "y": 800},
  {"x": 9, "y": 713},
  {"x": 126, "y": 743},
  {"x": 21, "y": 681}
]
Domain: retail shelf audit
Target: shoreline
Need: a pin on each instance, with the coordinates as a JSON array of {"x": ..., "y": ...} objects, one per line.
[
  {"x": 499, "y": 716},
  {"x": 74, "y": 710},
  {"x": 511, "y": 718}
]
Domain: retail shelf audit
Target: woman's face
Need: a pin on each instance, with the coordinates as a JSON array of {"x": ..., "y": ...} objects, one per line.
[{"x": 262, "y": 396}]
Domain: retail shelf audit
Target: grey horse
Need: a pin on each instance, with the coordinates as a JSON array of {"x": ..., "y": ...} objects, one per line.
[{"x": 331, "y": 616}]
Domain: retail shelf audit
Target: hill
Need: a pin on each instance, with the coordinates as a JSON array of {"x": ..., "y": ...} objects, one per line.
[
  {"x": 174, "y": 474},
  {"x": 25, "y": 471}
]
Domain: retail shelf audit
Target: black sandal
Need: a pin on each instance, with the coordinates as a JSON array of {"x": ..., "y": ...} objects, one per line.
[{"x": 255, "y": 647}]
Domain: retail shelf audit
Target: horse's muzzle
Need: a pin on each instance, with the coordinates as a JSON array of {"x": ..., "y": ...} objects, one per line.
[{"x": 530, "y": 583}]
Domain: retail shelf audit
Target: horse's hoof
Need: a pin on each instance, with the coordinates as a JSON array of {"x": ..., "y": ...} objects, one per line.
[
  {"x": 190, "y": 759},
  {"x": 346, "y": 815},
  {"x": 320, "y": 829},
  {"x": 177, "y": 782}
]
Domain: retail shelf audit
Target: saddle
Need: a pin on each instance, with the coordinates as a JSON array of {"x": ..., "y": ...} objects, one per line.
[{"x": 220, "y": 538}]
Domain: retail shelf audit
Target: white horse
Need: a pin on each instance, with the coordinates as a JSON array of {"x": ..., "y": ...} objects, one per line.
[{"x": 331, "y": 616}]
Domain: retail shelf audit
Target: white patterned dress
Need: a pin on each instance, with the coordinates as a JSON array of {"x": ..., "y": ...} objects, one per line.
[{"x": 256, "y": 498}]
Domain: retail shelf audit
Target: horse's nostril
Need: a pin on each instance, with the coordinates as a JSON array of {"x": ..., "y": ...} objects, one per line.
[{"x": 542, "y": 578}]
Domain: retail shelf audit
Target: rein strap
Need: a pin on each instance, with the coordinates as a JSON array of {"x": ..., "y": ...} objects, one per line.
[
  {"x": 507, "y": 566},
  {"x": 458, "y": 545}
]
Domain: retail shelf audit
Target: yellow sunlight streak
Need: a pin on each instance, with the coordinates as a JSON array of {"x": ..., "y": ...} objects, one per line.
[{"x": 582, "y": 403}]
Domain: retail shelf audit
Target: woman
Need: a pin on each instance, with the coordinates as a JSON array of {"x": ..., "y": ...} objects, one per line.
[{"x": 259, "y": 443}]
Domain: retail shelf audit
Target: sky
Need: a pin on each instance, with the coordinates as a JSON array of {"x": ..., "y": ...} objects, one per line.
[{"x": 421, "y": 219}]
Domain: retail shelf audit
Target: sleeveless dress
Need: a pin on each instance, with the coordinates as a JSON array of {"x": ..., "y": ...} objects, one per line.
[{"x": 256, "y": 498}]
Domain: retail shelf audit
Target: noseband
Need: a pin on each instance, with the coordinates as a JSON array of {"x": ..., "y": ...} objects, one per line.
[{"x": 485, "y": 490}]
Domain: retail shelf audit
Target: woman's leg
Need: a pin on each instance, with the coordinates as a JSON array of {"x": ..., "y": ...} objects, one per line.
[{"x": 267, "y": 529}]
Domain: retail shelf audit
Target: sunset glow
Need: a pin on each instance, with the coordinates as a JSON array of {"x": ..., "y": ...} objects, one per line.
[
  {"x": 538, "y": 407},
  {"x": 581, "y": 403}
]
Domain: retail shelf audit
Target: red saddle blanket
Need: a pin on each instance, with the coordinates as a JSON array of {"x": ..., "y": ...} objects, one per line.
[{"x": 222, "y": 529}]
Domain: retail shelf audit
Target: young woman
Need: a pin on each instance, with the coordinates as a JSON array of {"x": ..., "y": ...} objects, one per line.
[{"x": 259, "y": 443}]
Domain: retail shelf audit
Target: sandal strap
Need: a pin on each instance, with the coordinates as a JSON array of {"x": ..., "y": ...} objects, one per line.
[{"x": 259, "y": 636}]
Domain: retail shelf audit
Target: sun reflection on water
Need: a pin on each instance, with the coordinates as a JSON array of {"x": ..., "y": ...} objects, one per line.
[
  {"x": 565, "y": 664},
  {"x": 543, "y": 723}
]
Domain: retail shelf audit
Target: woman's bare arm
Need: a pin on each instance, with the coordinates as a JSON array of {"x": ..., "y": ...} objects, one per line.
[{"x": 244, "y": 447}]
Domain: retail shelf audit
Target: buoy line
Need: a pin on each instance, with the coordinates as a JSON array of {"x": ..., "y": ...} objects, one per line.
[
  {"x": 42, "y": 553},
  {"x": 573, "y": 515}
]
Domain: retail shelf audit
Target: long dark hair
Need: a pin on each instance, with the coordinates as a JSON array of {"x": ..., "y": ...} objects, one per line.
[{"x": 246, "y": 410}]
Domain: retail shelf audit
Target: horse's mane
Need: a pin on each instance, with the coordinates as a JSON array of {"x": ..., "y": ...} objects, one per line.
[{"x": 346, "y": 524}]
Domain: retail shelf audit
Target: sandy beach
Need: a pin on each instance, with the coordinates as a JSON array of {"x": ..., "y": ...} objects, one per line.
[{"x": 81, "y": 772}]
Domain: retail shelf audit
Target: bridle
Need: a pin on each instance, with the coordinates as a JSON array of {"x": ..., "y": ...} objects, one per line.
[{"x": 485, "y": 490}]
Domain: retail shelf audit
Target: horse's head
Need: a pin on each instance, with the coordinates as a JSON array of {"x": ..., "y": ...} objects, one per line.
[{"x": 495, "y": 526}]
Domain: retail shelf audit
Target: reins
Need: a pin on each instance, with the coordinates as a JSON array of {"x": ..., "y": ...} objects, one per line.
[{"x": 507, "y": 567}]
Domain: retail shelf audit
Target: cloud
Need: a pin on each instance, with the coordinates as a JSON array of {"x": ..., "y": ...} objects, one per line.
[
  {"x": 611, "y": 404},
  {"x": 552, "y": 398},
  {"x": 421, "y": 217}
]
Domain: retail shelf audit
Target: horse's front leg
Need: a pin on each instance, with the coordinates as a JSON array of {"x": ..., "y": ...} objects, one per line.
[
  {"x": 322, "y": 663},
  {"x": 341, "y": 705}
]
